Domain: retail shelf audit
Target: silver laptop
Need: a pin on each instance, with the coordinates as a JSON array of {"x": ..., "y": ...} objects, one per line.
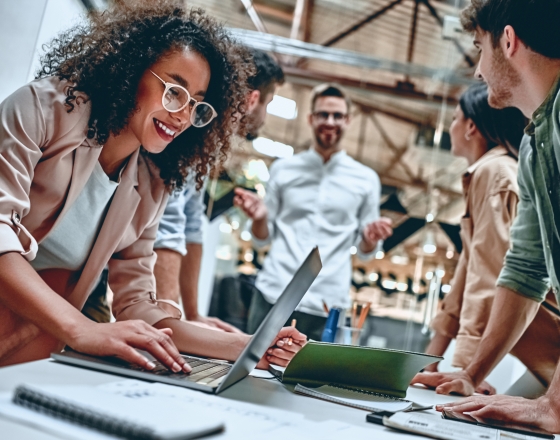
[{"x": 209, "y": 375}]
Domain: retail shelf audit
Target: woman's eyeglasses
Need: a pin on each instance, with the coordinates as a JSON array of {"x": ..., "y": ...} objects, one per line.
[{"x": 175, "y": 98}]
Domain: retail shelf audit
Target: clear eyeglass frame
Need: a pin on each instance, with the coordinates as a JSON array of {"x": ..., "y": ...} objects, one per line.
[{"x": 201, "y": 113}]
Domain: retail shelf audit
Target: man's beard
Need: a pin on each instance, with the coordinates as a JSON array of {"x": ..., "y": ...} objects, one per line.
[
  {"x": 324, "y": 145},
  {"x": 252, "y": 131},
  {"x": 505, "y": 79}
]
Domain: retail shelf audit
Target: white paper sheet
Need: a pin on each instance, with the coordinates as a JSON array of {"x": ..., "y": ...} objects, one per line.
[{"x": 436, "y": 427}]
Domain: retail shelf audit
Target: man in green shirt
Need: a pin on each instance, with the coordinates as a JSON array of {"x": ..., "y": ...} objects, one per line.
[{"x": 519, "y": 43}]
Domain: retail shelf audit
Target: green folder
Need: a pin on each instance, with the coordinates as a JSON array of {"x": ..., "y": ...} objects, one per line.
[{"x": 375, "y": 370}]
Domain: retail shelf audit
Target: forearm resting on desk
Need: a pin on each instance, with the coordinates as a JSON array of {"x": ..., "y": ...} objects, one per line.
[
  {"x": 511, "y": 314},
  {"x": 199, "y": 341},
  {"x": 437, "y": 347},
  {"x": 166, "y": 272},
  {"x": 25, "y": 293},
  {"x": 188, "y": 280}
]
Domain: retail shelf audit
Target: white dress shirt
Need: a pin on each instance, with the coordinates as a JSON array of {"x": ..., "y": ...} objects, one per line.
[{"x": 313, "y": 203}]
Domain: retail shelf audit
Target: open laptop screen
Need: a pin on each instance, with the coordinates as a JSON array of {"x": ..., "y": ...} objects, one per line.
[{"x": 274, "y": 320}]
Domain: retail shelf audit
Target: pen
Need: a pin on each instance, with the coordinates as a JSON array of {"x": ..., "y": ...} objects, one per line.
[
  {"x": 325, "y": 307},
  {"x": 290, "y": 340}
]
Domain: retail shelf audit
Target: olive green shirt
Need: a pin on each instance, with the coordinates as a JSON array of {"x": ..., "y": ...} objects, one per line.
[{"x": 532, "y": 264}]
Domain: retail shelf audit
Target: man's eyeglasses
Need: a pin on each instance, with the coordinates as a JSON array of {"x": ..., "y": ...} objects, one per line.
[
  {"x": 175, "y": 98},
  {"x": 338, "y": 118}
]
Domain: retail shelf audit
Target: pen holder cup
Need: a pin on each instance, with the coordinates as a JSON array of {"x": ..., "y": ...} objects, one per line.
[{"x": 348, "y": 335}]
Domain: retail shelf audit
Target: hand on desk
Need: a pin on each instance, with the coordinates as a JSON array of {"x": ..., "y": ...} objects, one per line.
[
  {"x": 542, "y": 413},
  {"x": 121, "y": 338},
  {"x": 284, "y": 347},
  {"x": 458, "y": 382}
]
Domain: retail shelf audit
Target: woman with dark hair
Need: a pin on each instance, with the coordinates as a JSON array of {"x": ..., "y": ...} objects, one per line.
[
  {"x": 489, "y": 139},
  {"x": 88, "y": 153}
]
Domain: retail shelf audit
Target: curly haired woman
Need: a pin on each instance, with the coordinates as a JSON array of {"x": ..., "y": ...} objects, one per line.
[{"x": 88, "y": 153}]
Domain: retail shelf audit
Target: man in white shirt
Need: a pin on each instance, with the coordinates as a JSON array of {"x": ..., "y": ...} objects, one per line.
[{"x": 319, "y": 197}]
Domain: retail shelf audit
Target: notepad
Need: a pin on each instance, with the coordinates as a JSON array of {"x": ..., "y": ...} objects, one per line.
[
  {"x": 132, "y": 417},
  {"x": 364, "y": 400}
]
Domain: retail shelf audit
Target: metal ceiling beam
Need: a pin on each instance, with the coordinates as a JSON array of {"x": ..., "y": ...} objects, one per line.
[
  {"x": 307, "y": 19},
  {"x": 396, "y": 150},
  {"x": 406, "y": 118},
  {"x": 296, "y": 75},
  {"x": 254, "y": 16},
  {"x": 296, "y": 48},
  {"x": 460, "y": 48},
  {"x": 296, "y": 22},
  {"x": 412, "y": 36},
  {"x": 361, "y": 23},
  {"x": 273, "y": 13}
]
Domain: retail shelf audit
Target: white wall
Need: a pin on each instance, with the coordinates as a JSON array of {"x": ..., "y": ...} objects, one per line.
[{"x": 25, "y": 25}]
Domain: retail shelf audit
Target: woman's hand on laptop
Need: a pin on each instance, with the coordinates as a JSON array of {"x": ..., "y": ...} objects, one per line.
[
  {"x": 121, "y": 339},
  {"x": 284, "y": 347}
]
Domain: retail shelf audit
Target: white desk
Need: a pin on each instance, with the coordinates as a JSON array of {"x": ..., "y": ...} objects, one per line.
[{"x": 269, "y": 393}]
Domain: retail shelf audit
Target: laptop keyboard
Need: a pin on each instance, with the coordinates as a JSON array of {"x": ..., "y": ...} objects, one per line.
[{"x": 203, "y": 371}]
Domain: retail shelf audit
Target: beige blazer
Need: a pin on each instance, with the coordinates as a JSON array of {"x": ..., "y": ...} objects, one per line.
[
  {"x": 45, "y": 161},
  {"x": 491, "y": 195}
]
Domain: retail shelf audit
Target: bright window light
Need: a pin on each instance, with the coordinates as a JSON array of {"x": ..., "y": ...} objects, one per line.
[
  {"x": 272, "y": 148},
  {"x": 389, "y": 284},
  {"x": 246, "y": 236},
  {"x": 225, "y": 228},
  {"x": 402, "y": 287},
  {"x": 258, "y": 169},
  {"x": 373, "y": 276},
  {"x": 282, "y": 107},
  {"x": 353, "y": 250},
  {"x": 379, "y": 255},
  {"x": 446, "y": 288}
]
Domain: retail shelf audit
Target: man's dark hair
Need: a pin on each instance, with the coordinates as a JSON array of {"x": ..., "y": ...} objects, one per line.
[
  {"x": 498, "y": 126},
  {"x": 329, "y": 89},
  {"x": 535, "y": 22},
  {"x": 268, "y": 75}
]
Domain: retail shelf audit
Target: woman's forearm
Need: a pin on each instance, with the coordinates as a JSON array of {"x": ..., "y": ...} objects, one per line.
[
  {"x": 193, "y": 339},
  {"x": 24, "y": 292},
  {"x": 437, "y": 347}
]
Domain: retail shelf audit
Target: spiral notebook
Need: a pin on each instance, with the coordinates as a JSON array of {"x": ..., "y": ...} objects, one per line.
[
  {"x": 362, "y": 399},
  {"x": 130, "y": 417}
]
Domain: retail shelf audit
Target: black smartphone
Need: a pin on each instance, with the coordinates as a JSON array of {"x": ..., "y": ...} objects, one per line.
[
  {"x": 465, "y": 418},
  {"x": 377, "y": 417}
]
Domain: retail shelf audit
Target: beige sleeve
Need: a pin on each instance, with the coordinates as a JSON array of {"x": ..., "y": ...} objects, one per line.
[
  {"x": 446, "y": 322},
  {"x": 131, "y": 277},
  {"x": 22, "y": 133},
  {"x": 492, "y": 216}
]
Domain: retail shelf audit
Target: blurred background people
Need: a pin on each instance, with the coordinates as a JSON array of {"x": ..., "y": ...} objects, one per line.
[{"x": 319, "y": 197}]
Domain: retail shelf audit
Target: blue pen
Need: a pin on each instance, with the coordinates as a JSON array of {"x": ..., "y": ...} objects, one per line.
[{"x": 331, "y": 325}]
